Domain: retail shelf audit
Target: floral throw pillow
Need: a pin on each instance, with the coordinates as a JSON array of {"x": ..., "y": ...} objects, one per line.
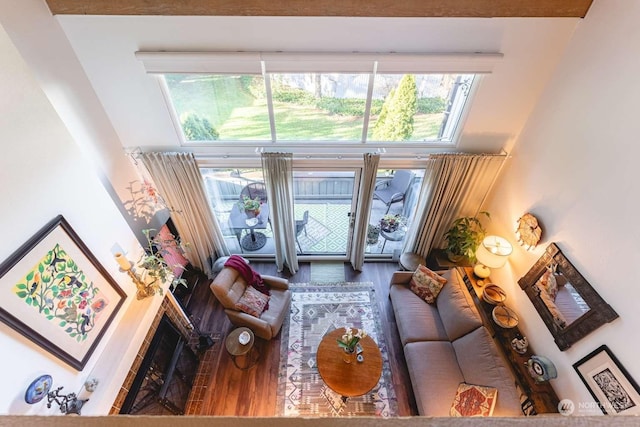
[
  {"x": 252, "y": 302},
  {"x": 426, "y": 284},
  {"x": 473, "y": 401}
]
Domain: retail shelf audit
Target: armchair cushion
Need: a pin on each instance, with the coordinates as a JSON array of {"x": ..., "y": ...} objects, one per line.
[{"x": 252, "y": 302}]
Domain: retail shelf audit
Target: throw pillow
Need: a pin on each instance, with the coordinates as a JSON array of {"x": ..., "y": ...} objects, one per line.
[
  {"x": 426, "y": 284},
  {"x": 473, "y": 401},
  {"x": 252, "y": 302}
]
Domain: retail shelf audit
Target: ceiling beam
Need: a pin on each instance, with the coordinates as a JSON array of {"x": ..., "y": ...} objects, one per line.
[{"x": 351, "y": 8}]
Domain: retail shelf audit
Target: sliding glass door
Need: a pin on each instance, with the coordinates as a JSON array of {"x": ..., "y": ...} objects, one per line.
[{"x": 323, "y": 202}]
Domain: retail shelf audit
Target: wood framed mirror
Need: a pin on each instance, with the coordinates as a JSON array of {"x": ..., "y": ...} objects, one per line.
[{"x": 566, "y": 302}]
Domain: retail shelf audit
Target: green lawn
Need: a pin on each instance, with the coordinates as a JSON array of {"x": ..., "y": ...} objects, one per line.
[{"x": 237, "y": 115}]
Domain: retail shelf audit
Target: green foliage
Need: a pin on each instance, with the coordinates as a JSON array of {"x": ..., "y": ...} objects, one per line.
[
  {"x": 293, "y": 95},
  {"x": 431, "y": 105},
  {"x": 464, "y": 236},
  {"x": 395, "y": 122},
  {"x": 156, "y": 267},
  {"x": 196, "y": 128}
]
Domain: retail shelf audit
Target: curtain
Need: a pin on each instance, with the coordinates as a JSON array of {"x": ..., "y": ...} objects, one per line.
[
  {"x": 278, "y": 175},
  {"x": 454, "y": 185},
  {"x": 363, "y": 209},
  {"x": 179, "y": 182}
]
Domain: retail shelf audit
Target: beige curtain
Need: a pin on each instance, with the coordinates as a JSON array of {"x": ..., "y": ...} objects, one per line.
[
  {"x": 278, "y": 176},
  {"x": 179, "y": 182},
  {"x": 363, "y": 209},
  {"x": 454, "y": 185}
]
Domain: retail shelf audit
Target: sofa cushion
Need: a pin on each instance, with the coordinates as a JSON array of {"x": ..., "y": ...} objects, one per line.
[
  {"x": 435, "y": 376},
  {"x": 278, "y": 309},
  {"x": 481, "y": 363},
  {"x": 426, "y": 284},
  {"x": 416, "y": 320},
  {"x": 228, "y": 286},
  {"x": 473, "y": 401},
  {"x": 456, "y": 308}
]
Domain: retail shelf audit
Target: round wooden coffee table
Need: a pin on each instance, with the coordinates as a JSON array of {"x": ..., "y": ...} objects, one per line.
[{"x": 348, "y": 379}]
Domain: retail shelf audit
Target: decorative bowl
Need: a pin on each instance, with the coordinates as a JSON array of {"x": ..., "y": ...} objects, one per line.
[
  {"x": 504, "y": 317},
  {"x": 244, "y": 338},
  {"x": 493, "y": 294}
]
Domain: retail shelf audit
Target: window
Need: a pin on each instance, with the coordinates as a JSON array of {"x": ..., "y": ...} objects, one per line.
[{"x": 259, "y": 97}]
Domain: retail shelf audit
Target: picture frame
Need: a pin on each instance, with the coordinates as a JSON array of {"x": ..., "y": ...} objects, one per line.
[
  {"x": 609, "y": 383},
  {"x": 54, "y": 292}
]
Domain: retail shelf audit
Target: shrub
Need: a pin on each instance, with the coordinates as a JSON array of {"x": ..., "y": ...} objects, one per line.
[{"x": 431, "y": 105}]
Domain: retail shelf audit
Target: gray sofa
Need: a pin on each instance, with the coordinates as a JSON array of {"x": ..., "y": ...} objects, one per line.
[{"x": 445, "y": 344}]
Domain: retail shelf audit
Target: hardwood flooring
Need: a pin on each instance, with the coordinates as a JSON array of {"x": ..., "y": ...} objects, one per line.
[{"x": 252, "y": 393}]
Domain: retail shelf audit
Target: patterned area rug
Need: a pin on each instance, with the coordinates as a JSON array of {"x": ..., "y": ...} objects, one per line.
[{"x": 315, "y": 310}]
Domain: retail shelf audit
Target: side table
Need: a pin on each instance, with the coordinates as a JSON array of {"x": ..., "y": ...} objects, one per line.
[
  {"x": 246, "y": 353},
  {"x": 409, "y": 261}
]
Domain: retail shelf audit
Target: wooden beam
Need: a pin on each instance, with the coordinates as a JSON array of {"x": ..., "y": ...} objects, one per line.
[{"x": 351, "y": 8}]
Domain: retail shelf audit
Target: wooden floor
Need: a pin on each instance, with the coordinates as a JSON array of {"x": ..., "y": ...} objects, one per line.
[{"x": 253, "y": 392}]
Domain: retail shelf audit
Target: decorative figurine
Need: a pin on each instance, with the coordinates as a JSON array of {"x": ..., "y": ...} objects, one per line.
[
  {"x": 91, "y": 384},
  {"x": 69, "y": 403},
  {"x": 520, "y": 344},
  {"x": 541, "y": 369}
]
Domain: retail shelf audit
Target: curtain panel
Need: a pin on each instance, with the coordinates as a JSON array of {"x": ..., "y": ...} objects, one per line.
[
  {"x": 363, "y": 209},
  {"x": 454, "y": 185},
  {"x": 179, "y": 182},
  {"x": 278, "y": 175}
]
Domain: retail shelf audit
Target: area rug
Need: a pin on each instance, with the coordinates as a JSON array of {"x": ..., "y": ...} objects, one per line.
[
  {"x": 327, "y": 272},
  {"x": 316, "y": 310}
]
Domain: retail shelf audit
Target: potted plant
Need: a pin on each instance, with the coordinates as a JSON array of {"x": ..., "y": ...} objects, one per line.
[
  {"x": 391, "y": 223},
  {"x": 157, "y": 270},
  {"x": 463, "y": 237},
  {"x": 373, "y": 233},
  {"x": 251, "y": 206}
]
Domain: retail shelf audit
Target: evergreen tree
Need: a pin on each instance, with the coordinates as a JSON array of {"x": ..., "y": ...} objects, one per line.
[
  {"x": 395, "y": 122},
  {"x": 197, "y": 128}
]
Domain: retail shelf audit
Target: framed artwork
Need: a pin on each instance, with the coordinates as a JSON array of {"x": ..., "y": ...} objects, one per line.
[
  {"x": 609, "y": 383},
  {"x": 54, "y": 292}
]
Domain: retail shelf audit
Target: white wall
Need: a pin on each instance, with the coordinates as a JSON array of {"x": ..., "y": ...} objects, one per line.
[
  {"x": 105, "y": 45},
  {"x": 575, "y": 167},
  {"x": 43, "y": 174}
]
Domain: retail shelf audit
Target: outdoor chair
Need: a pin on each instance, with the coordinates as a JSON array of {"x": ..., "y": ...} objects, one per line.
[
  {"x": 394, "y": 190},
  {"x": 253, "y": 190},
  {"x": 301, "y": 224}
]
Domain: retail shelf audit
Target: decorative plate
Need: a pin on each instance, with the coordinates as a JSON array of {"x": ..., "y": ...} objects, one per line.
[
  {"x": 244, "y": 338},
  {"x": 493, "y": 294},
  {"x": 38, "y": 389},
  {"x": 504, "y": 317}
]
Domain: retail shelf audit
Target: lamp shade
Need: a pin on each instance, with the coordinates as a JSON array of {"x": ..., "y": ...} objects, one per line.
[{"x": 493, "y": 251}]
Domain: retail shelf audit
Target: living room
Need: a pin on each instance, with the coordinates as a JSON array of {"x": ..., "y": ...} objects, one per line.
[{"x": 564, "y": 134}]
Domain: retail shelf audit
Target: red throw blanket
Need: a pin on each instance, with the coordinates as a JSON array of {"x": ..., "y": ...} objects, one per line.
[{"x": 249, "y": 275}]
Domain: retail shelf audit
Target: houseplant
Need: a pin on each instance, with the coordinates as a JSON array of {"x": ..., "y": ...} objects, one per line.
[
  {"x": 373, "y": 233},
  {"x": 157, "y": 270},
  {"x": 391, "y": 223},
  {"x": 464, "y": 236},
  {"x": 250, "y": 206},
  {"x": 349, "y": 340}
]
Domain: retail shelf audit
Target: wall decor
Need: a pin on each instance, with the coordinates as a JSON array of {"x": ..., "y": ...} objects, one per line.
[
  {"x": 54, "y": 292},
  {"x": 528, "y": 231},
  {"x": 565, "y": 301},
  {"x": 609, "y": 382}
]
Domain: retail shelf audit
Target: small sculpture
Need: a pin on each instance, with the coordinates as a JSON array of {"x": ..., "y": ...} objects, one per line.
[
  {"x": 520, "y": 344},
  {"x": 541, "y": 368},
  {"x": 91, "y": 384},
  {"x": 69, "y": 403}
]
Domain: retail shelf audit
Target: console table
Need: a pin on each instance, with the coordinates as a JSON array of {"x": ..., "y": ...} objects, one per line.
[{"x": 541, "y": 398}]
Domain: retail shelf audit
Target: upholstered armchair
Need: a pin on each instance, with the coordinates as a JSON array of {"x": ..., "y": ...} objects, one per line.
[{"x": 229, "y": 286}]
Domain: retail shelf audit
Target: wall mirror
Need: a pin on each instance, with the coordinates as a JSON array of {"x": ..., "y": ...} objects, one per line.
[{"x": 566, "y": 302}]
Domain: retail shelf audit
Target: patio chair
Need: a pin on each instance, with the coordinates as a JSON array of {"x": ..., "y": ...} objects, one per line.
[
  {"x": 394, "y": 190},
  {"x": 301, "y": 224},
  {"x": 253, "y": 190}
]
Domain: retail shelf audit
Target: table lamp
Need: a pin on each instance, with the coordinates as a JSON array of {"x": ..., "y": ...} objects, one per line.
[{"x": 492, "y": 253}]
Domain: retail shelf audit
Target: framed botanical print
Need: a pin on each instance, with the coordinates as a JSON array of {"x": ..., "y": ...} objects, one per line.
[
  {"x": 609, "y": 383},
  {"x": 54, "y": 292}
]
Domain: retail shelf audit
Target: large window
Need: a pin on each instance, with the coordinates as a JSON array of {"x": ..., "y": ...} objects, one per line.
[{"x": 330, "y": 107}]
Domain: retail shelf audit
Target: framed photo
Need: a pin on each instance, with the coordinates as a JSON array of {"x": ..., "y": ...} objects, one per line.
[
  {"x": 54, "y": 292},
  {"x": 609, "y": 383}
]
